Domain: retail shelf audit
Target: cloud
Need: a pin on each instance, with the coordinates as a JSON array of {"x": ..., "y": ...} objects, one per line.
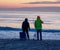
[{"x": 45, "y": 2}]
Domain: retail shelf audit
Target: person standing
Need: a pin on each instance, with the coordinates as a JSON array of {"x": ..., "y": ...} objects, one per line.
[
  {"x": 26, "y": 27},
  {"x": 38, "y": 27}
]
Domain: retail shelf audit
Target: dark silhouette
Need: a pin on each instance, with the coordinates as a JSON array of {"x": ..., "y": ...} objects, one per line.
[
  {"x": 38, "y": 27},
  {"x": 26, "y": 27},
  {"x": 22, "y": 36}
]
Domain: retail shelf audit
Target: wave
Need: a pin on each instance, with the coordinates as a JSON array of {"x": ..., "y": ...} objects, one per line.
[{"x": 32, "y": 30}]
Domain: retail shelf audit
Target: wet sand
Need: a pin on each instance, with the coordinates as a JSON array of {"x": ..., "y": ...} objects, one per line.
[{"x": 16, "y": 44}]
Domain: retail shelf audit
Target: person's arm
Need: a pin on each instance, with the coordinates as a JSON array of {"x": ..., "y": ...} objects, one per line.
[
  {"x": 35, "y": 24},
  {"x": 42, "y": 22}
]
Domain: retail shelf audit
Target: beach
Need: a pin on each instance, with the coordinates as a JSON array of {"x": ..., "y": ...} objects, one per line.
[
  {"x": 30, "y": 17},
  {"x": 10, "y": 27},
  {"x": 10, "y": 40},
  {"x": 16, "y": 44}
]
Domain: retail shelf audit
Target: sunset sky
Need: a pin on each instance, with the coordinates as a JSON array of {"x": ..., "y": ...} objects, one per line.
[{"x": 29, "y": 3}]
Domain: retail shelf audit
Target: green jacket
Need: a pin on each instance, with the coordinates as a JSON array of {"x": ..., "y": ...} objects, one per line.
[{"x": 38, "y": 24}]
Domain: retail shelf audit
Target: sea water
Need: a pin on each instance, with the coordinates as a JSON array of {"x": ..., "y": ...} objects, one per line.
[{"x": 15, "y": 18}]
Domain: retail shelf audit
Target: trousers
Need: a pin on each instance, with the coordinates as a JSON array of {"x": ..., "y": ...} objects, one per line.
[{"x": 39, "y": 33}]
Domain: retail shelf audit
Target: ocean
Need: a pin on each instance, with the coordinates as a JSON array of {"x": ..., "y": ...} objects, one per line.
[{"x": 14, "y": 19}]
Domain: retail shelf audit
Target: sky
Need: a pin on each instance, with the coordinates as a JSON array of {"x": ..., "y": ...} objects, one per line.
[{"x": 29, "y": 3}]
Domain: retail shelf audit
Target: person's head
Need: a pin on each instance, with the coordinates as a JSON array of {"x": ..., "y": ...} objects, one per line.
[
  {"x": 26, "y": 19},
  {"x": 38, "y": 17}
]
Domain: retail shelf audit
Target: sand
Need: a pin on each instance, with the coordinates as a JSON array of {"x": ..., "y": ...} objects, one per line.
[{"x": 16, "y": 44}]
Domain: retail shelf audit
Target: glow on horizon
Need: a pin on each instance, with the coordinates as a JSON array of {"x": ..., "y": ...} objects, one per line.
[
  {"x": 17, "y": 3},
  {"x": 24, "y": 1},
  {"x": 29, "y": 5}
]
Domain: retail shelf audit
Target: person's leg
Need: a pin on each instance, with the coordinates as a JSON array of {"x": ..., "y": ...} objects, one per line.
[
  {"x": 24, "y": 34},
  {"x": 37, "y": 35},
  {"x": 27, "y": 34},
  {"x": 40, "y": 34},
  {"x": 23, "y": 30}
]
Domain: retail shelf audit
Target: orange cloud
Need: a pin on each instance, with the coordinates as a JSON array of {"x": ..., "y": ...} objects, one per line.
[
  {"x": 17, "y": 3},
  {"x": 29, "y": 5}
]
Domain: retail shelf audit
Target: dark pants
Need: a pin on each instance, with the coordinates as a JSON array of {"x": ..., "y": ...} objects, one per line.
[
  {"x": 26, "y": 31},
  {"x": 39, "y": 31}
]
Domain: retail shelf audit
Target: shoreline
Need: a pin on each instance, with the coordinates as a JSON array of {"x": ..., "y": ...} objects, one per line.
[{"x": 31, "y": 30}]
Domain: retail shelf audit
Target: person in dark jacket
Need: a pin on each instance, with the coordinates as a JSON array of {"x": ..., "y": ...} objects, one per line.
[
  {"x": 38, "y": 27},
  {"x": 26, "y": 27}
]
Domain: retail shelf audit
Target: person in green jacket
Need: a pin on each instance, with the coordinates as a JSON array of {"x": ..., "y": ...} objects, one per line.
[{"x": 38, "y": 27}]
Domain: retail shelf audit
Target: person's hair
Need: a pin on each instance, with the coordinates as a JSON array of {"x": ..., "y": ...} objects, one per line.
[
  {"x": 38, "y": 17},
  {"x": 26, "y": 19}
]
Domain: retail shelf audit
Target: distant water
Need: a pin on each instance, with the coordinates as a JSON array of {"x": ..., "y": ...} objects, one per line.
[{"x": 15, "y": 19}]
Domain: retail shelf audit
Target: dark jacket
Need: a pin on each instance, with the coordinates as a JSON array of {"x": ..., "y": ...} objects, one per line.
[{"x": 25, "y": 25}]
